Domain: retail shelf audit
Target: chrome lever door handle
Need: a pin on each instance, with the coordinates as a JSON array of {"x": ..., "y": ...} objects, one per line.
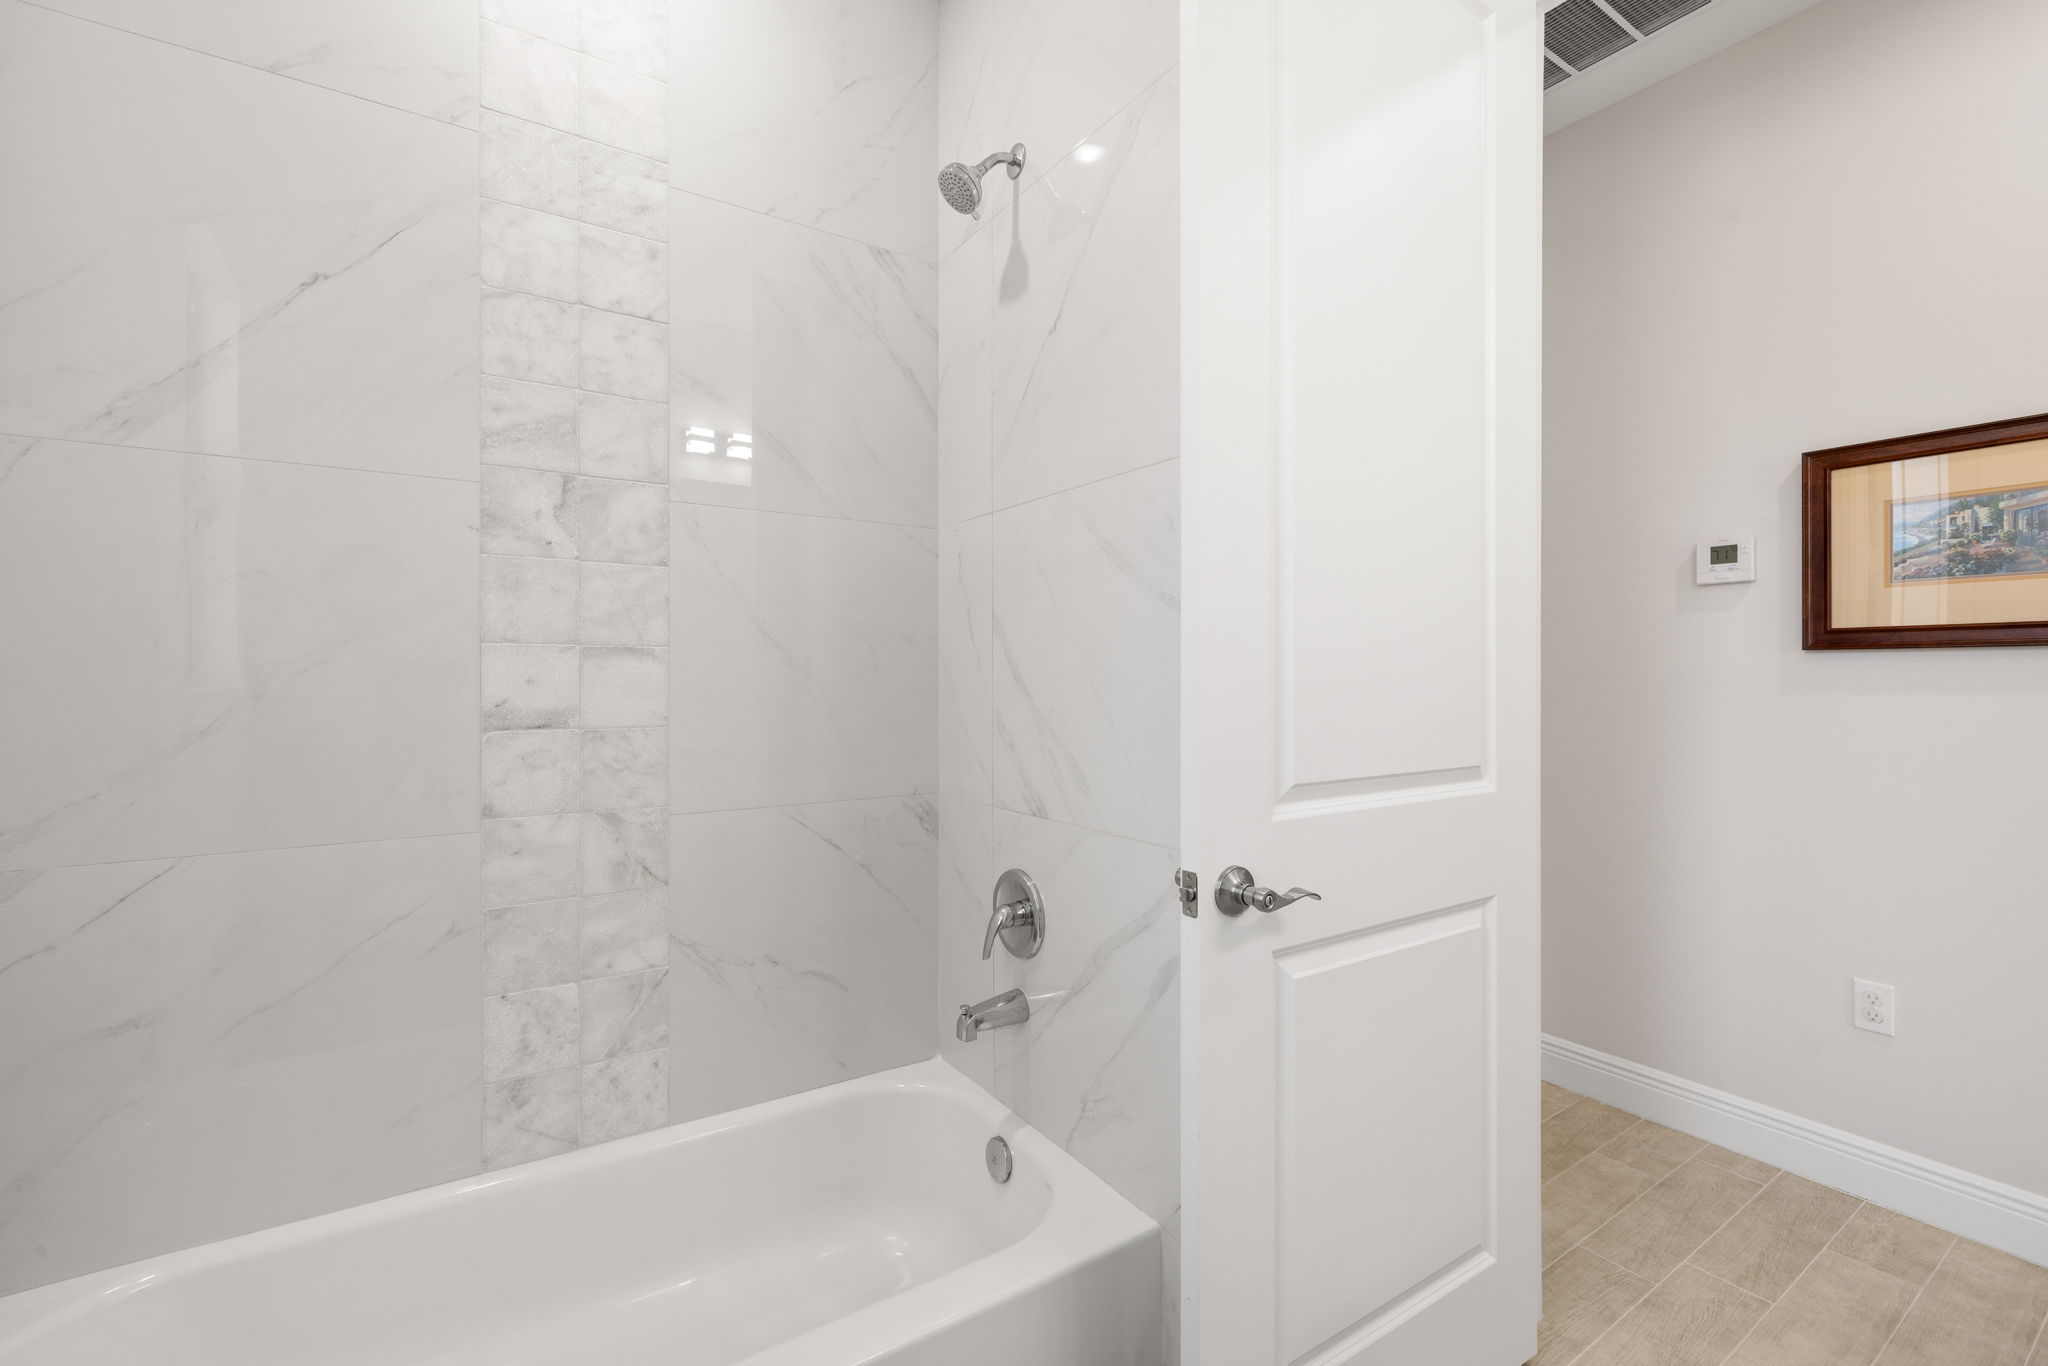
[{"x": 1236, "y": 893}]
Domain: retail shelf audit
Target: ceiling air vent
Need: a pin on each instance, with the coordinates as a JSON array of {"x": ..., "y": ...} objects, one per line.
[
  {"x": 1647, "y": 16},
  {"x": 1578, "y": 33}
]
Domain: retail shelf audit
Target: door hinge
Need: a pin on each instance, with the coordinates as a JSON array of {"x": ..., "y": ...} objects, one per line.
[{"x": 1187, "y": 885}]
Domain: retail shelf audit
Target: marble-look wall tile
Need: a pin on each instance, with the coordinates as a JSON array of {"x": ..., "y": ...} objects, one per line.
[
  {"x": 530, "y": 338},
  {"x": 527, "y": 1032},
  {"x": 809, "y": 675},
  {"x": 622, "y": 438},
  {"x": 622, "y": 108},
  {"x": 624, "y": 1096},
  {"x": 625, "y": 686},
  {"x": 835, "y": 983},
  {"x": 533, "y": 165},
  {"x": 623, "y": 932},
  {"x": 531, "y": 772},
  {"x": 530, "y": 946},
  {"x": 416, "y": 55},
  {"x": 1087, "y": 313},
  {"x": 620, "y": 189},
  {"x": 254, "y": 266},
  {"x": 530, "y": 601},
  {"x": 624, "y": 851},
  {"x": 628, "y": 33},
  {"x": 1087, "y": 640},
  {"x": 237, "y": 654},
  {"x": 625, "y": 1014},
  {"x": 195, "y": 1048},
  {"x": 620, "y": 522},
  {"x": 554, "y": 20},
  {"x": 824, "y": 350},
  {"x": 966, "y": 659},
  {"x": 527, "y": 512},
  {"x": 532, "y": 858},
  {"x": 529, "y": 687},
  {"x": 622, "y": 355},
  {"x": 534, "y": 425},
  {"x": 822, "y": 115},
  {"x": 623, "y": 604},
  {"x": 623, "y": 273},
  {"x": 529, "y": 251},
  {"x": 964, "y": 875},
  {"x": 1043, "y": 73},
  {"x": 624, "y": 770},
  {"x": 966, "y": 440},
  {"x": 528, "y": 77},
  {"x": 576, "y": 1015},
  {"x": 1096, "y": 1068},
  {"x": 528, "y": 1118}
]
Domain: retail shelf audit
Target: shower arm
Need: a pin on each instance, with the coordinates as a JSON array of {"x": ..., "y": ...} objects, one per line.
[{"x": 1014, "y": 159}]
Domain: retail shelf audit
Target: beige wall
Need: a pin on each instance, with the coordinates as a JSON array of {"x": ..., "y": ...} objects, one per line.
[{"x": 1835, "y": 232}]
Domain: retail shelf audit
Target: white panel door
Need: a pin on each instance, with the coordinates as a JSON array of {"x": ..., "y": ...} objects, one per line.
[{"x": 1360, "y": 680}]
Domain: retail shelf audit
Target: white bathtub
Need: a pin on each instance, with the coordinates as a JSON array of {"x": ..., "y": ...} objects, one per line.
[{"x": 856, "y": 1224}]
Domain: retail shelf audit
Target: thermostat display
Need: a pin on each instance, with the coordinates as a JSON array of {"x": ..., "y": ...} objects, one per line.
[{"x": 1729, "y": 561}]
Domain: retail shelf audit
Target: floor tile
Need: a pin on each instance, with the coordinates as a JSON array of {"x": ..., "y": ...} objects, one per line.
[
  {"x": 1692, "y": 1319},
  {"x": 1555, "y": 1098},
  {"x": 1746, "y": 1167},
  {"x": 1838, "y": 1313},
  {"x": 1894, "y": 1244},
  {"x": 1980, "y": 1308},
  {"x": 1578, "y": 1130},
  {"x": 1669, "y": 1224},
  {"x": 1583, "y": 1296},
  {"x": 1583, "y": 1199},
  {"x": 1653, "y": 1148},
  {"x": 1765, "y": 1247}
]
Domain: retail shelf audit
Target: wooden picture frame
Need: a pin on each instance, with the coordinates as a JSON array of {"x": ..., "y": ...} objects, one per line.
[{"x": 1892, "y": 555}]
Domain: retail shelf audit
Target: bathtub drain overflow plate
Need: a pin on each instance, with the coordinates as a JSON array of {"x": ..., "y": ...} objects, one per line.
[{"x": 997, "y": 1155}]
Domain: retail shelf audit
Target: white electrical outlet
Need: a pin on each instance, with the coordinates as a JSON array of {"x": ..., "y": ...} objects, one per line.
[{"x": 1876, "y": 1008}]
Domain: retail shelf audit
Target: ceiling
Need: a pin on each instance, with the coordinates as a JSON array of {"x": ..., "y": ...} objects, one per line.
[{"x": 1600, "y": 51}]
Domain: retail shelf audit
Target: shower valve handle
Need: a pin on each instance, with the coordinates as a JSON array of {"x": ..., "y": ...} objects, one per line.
[
  {"x": 1237, "y": 893},
  {"x": 1016, "y": 916}
]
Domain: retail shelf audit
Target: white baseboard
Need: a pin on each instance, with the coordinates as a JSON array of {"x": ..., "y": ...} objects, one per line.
[{"x": 1990, "y": 1212}]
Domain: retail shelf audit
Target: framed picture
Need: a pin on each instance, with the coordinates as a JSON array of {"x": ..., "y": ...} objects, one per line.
[{"x": 1939, "y": 539}]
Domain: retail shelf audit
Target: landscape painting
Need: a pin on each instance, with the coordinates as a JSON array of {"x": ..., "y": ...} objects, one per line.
[{"x": 1996, "y": 533}]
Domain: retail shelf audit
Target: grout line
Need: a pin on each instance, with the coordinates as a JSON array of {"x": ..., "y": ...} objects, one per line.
[
  {"x": 2038, "y": 1335},
  {"x": 1914, "y": 1303},
  {"x": 572, "y": 51},
  {"x": 490, "y": 288},
  {"x": 1582, "y": 1159},
  {"x": 476, "y": 108},
  {"x": 911, "y": 256},
  {"x": 38, "y": 438}
]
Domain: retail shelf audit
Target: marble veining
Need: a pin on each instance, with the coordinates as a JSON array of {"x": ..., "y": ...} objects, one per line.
[
  {"x": 255, "y": 267},
  {"x": 809, "y": 676},
  {"x": 238, "y": 655},
  {"x": 1096, "y": 1066},
  {"x": 197, "y": 1047},
  {"x": 820, "y": 114},
  {"x": 416, "y": 55},
  {"x": 1043, "y": 72},
  {"x": 1087, "y": 639},
  {"x": 576, "y": 586},
  {"x": 803, "y": 947},
  {"x": 822, "y": 349},
  {"x": 1087, "y": 309}
]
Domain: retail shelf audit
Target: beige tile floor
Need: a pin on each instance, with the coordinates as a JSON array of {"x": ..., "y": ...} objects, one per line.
[{"x": 1662, "y": 1250}]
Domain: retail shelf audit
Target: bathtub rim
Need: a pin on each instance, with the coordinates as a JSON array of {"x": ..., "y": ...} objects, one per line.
[{"x": 1085, "y": 1221}]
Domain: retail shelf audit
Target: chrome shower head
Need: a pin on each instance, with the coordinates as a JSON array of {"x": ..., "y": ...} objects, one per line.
[{"x": 961, "y": 183}]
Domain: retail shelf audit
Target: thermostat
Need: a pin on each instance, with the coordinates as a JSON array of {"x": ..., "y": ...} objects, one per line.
[{"x": 1726, "y": 561}]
